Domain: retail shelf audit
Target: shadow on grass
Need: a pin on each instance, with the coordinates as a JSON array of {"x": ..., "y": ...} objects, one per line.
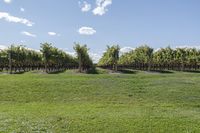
[
  {"x": 192, "y": 71},
  {"x": 57, "y": 72},
  {"x": 22, "y": 72},
  {"x": 107, "y": 71},
  {"x": 92, "y": 72},
  {"x": 128, "y": 71},
  {"x": 97, "y": 70},
  {"x": 162, "y": 71}
]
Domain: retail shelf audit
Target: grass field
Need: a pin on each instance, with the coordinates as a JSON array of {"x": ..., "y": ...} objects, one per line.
[{"x": 109, "y": 103}]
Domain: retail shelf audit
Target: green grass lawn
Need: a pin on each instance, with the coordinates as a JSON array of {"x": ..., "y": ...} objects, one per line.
[{"x": 108, "y": 103}]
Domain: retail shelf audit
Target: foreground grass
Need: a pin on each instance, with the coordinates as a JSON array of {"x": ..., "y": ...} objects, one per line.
[{"x": 68, "y": 102}]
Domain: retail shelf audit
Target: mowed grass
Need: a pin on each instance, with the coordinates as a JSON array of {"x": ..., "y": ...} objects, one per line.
[{"x": 108, "y": 103}]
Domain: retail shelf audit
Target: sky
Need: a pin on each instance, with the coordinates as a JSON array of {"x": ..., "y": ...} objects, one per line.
[{"x": 98, "y": 23}]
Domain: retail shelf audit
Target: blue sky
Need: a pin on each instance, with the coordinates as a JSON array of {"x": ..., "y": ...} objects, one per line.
[{"x": 98, "y": 23}]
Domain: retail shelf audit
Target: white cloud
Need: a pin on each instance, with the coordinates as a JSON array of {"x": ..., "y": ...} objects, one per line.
[
  {"x": 188, "y": 46},
  {"x": 22, "y": 41},
  {"x": 36, "y": 50},
  {"x": 85, "y": 7},
  {"x": 2, "y": 47},
  {"x": 7, "y": 17},
  {"x": 157, "y": 49},
  {"x": 73, "y": 54},
  {"x": 22, "y": 9},
  {"x": 126, "y": 50},
  {"x": 28, "y": 34},
  {"x": 8, "y": 1},
  {"x": 101, "y": 8},
  {"x": 53, "y": 34},
  {"x": 95, "y": 57},
  {"x": 86, "y": 31}
]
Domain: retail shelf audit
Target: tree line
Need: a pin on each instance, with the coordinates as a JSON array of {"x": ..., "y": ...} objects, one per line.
[
  {"x": 146, "y": 58},
  {"x": 50, "y": 59}
]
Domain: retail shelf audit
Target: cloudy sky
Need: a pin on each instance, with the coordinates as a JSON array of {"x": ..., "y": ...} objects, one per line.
[{"x": 98, "y": 23}]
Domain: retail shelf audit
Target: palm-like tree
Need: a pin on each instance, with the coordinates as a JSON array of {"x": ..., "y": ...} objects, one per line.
[
  {"x": 84, "y": 60},
  {"x": 110, "y": 57},
  {"x": 144, "y": 56}
]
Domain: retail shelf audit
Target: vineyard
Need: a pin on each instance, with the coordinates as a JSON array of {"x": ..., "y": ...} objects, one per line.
[
  {"x": 99, "y": 66},
  {"x": 50, "y": 59},
  {"x": 146, "y": 58},
  {"x": 134, "y": 92}
]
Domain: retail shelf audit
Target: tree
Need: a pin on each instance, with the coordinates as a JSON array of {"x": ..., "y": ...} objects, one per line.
[
  {"x": 3, "y": 59},
  {"x": 110, "y": 57},
  {"x": 46, "y": 52},
  {"x": 84, "y": 60},
  {"x": 180, "y": 57},
  {"x": 144, "y": 55},
  {"x": 54, "y": 59},
  {"x": 164, "y": 57},
  {"x": 128, "y": 59}
]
